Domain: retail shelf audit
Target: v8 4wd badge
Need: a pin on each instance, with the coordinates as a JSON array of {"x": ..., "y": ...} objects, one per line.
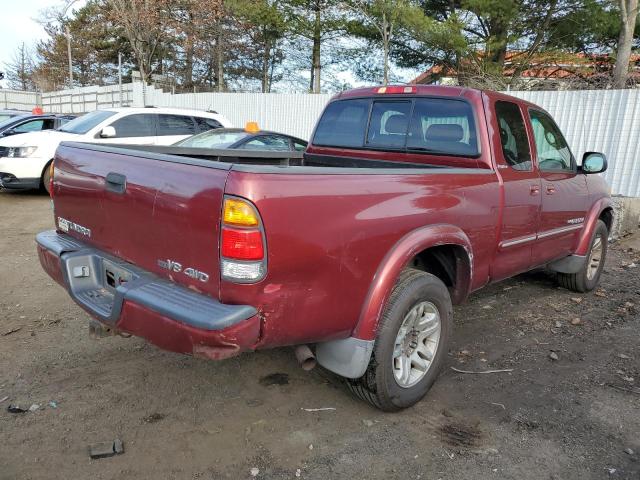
[{"x": 176, "y": 267}]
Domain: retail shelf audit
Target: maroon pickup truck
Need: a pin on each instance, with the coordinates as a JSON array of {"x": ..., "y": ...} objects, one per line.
[{"x": 406, "y": 200}]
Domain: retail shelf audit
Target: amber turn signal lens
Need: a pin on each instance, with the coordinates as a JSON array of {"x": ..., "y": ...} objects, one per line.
[{"x": 238, "y": 212}]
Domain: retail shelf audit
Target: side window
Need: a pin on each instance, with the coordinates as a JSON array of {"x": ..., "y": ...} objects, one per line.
[
  {"x": 206, "y": 124},
  {"x": 136, "y": 125},
  {"x": 30, "y": 126},
  {"x": 175, "y": 125},
  {"x": 513, "y": 136},
  {"x": 267, "y": 142},
  {"x": 443, "y": 126},
  {"x": 299, "y": 146},
  {"x": 388, "y": 124},
  {"x": 343, "y": 124},
  {"x": 553, "y": 151}
]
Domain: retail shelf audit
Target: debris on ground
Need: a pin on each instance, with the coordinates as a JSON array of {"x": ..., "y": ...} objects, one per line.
[
  {"x": 106, "y": 449},
  {"x": 554, "y": 356},
  {"x": 13, "y": 330},
  {"x": 367, "y": 423},
  {"x": 323, "y": 409},
  {"x": 254, "y": 472},
  {"x": 628, "y": 451},
  {"x": 53, "y": 404},
  {"x": 576, "y": 321},
  {"x": 311, "y": 446},
  {"x": 483, "y": 371},
  {"x": 275, "y": 379},
  {"x": 34, "y": 407},
  {"x": 16, "y": 409},
  {"x": 3, "y": 399},
  {"x": 576, "y": 299},
  {"x": 298, "y": 472}
]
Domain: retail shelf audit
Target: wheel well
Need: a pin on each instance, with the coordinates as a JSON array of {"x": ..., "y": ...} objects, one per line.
[
  {"x": 607, "y": 217},
  {"x": 450, "y": 263}
]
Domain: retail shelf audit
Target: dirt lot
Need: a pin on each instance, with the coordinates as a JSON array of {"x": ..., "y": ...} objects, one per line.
[{"x": 183, "y": 418}]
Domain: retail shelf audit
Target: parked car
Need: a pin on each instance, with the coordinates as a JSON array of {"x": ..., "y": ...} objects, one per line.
[
  {"x": 26, "y": 123},
  {"x": 25, "y": 158},
  {"x": 7, "y": 114},
  {"x": 406, "y": 200},
  {"x": 249, "y": 138}
]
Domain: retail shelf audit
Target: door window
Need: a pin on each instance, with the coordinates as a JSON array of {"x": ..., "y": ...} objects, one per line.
[
  {"x": 34, "y": 126},
  {"x": 175, "y": 125},
  {"x": 513, "y": 136},
  {"x": 553, "y": 152},
  {"x": 136, "y": 125},
  {"x": 206, "y": 124}
]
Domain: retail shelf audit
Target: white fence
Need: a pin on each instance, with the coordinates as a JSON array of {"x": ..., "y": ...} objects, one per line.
[{"x": 597, "y": 120}]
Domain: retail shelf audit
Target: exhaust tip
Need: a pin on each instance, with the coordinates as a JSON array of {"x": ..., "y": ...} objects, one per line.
[{"x": 305, "y": 357}]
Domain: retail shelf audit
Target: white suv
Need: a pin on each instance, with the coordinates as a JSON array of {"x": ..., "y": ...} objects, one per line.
[{"x": 25, "y": 158}]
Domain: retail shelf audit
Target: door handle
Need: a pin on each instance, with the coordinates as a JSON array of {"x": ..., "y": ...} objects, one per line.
[
  {"x": 116, "y": 183},
  {"x": 534, "y": 189},
  {"x": 551, "y": 189}
]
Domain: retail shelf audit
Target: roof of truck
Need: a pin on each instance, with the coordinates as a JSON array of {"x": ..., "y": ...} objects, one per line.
[{"x": 436, "y": 90}]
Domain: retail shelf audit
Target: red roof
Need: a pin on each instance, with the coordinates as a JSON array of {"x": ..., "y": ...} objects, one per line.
[{"x": 544, "y": 66}]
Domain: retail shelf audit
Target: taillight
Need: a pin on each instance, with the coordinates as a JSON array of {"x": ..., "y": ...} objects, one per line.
[
  {"x": 242, "y": 242},
  {"x": 51, "y": 170}
]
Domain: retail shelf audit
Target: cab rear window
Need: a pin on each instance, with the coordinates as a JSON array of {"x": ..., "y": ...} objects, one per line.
[{"x": 423, "y": 125}]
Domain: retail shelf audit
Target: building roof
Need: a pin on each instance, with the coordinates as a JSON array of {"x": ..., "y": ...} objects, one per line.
[{"x": 554, "y": 65}]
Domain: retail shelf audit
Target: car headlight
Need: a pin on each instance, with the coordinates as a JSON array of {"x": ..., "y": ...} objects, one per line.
[{"x": 20, "y": 152}]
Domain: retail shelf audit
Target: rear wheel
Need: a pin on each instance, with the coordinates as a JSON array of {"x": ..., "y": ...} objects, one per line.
[
  {"x": 589, "y": 275},
  {"x": 46, "y": 178},
  {"x": 411, "y": 344}
]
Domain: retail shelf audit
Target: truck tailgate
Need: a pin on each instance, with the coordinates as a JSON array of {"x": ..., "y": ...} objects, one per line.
[{"x": 155, "y": 212}]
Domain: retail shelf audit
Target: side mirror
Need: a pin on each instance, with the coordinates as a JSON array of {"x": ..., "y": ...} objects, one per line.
[
  {"x": 108, "y": 132},
  {"x": 593, "y": 162},
  {"x": 9, "y": 132}
]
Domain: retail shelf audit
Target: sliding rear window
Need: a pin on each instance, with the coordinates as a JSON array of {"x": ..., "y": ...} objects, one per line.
[{"x": 422, "y": 125}]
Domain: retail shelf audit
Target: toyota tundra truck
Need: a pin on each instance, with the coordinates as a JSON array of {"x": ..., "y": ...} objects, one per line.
[{"x": 407, "y": 199}]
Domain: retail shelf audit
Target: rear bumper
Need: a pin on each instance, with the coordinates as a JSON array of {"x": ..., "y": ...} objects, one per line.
[{"x": 129, "y": 299}]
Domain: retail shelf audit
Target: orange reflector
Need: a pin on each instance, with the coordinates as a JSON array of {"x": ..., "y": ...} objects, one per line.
[
  {"x": 252, "y": 127},
  {"x": 239, "y": 212}
]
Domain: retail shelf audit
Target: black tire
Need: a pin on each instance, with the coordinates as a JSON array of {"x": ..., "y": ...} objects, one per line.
[
  {"x": 580, "y": 281},
  {"x": 46, "y": 178},
  {"x": 378, "y": 386}
]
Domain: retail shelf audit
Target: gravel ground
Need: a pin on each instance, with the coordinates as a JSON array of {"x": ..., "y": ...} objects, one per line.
[{"x": 576, "y": 417}]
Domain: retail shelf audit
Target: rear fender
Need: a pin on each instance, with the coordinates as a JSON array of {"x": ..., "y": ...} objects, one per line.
[
  {"x": 396, "y": 260},
  {"x": 590, "y": 224}
]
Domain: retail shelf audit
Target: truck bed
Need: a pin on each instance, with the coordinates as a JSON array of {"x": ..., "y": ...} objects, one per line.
[{"x": 328, "y": 224}]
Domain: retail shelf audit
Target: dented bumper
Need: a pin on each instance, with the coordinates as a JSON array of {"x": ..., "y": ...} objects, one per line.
[{"x": 128, "y": 299}]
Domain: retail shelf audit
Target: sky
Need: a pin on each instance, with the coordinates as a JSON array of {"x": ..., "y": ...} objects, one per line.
[{"x": 17, "y": 25}]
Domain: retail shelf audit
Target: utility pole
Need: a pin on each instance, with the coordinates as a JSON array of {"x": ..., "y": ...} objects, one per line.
[
  {"x": 68, "y": 35},
  {"x": 120, "y": 77}
]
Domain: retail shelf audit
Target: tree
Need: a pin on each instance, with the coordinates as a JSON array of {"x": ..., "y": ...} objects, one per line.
[
  {"x": 378, "y": 21},
  {"x": 144, "y": 24},
  {"x": 20, "y": 69},
  {"x": 265, "y": 28},
  {"x": 314, "y": 22},
  {"x": 628, "y": 16},
  {"x": 95, "y": 44}
]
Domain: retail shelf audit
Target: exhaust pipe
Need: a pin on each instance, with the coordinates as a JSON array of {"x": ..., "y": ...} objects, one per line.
[{"x": 305, "y": 357}]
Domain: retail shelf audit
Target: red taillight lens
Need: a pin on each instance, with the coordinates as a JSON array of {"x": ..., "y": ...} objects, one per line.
[{"x": 242, "y": 244}]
